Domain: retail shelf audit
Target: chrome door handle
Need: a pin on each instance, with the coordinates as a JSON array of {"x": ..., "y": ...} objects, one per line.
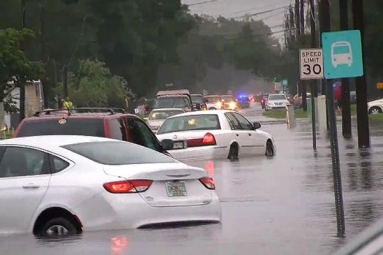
[
  {"x": 31, "y": 186},
  {"x": 236, "y": 134}
]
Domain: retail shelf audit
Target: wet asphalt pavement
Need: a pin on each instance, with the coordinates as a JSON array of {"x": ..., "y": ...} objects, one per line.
[{"x": 283, "y": 205}]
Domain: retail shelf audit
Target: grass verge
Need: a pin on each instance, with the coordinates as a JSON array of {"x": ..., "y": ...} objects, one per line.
[
  {"x": 376, "y": 117},
  {"x": 6, "y": 135},
  {"x": 281, "y": 114}
]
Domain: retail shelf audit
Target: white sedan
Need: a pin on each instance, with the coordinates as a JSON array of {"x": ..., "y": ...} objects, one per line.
[
  {"x": 375, "y": 107},
  {"x": 215, "y": 134},
  {"x": 158, "y": 116},
  {"x": 60, "y": 185}
]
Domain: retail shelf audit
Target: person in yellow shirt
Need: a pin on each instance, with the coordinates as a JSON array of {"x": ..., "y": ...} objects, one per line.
[{"x": 67, "y": 104}]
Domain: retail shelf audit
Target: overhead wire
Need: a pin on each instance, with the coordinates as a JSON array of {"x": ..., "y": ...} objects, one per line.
[
  {"x": 260, "y": 13},
  {"x": 255, "y": 8},
  {"x": 204, "y": 2}
]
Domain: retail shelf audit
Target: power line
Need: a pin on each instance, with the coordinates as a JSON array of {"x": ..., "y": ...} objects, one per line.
[
  {"x": 205, "y": 2},
  {"x": 273, "y": 15},
  {"x": 264, "y": 34},
  {"x": 254, "y": 8},
  {"x": 260, "y": 13},
  {"x": 238, "y": 33}
]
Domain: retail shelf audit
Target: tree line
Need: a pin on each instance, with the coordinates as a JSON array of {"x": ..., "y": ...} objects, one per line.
[{"x": 112, "y": 50}]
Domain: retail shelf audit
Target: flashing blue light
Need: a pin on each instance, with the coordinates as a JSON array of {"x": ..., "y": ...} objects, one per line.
[{"x": 242, "y": 96}]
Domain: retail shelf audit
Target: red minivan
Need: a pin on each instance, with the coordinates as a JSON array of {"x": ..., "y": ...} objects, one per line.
[{"x": 99, "y": 122}]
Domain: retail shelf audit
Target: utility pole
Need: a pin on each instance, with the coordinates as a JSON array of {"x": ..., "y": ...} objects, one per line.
[
  {"x": 314, "y": 92},
  {"x": 43, "y": 57},
  {"x": 65, "y": 81},
  {"x": 360, "y": 82},
  {"x": 22, "y": 84},
  {"x": 346, "y": 107},
  {"x": 297, "y": 19},
  {"x": 298, "y": 23},
  {"x": 302, "y": 16},
  {"x": 325, "y": 26}
]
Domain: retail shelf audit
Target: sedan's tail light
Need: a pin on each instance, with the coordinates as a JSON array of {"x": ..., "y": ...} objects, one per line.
[
  {"x": 208, "y": 182},
  {"x": 207, "y": 140},
  {"x": 132, "y": 186}
]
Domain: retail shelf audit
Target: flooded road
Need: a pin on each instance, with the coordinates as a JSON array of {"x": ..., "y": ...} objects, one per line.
[{"x": 283, "y": 205}]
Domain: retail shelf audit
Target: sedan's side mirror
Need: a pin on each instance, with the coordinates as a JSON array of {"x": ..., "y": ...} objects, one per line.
[
  {"x": 256, "y": 125},
  {"x": 167, "y": 144}
]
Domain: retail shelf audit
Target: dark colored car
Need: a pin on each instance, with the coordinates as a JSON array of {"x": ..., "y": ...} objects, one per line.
[
  {"x": 243, "y": 102},
  {"x": 263, "y": 100},
  {"x": 174, "y": 99},
  {"x": 99, "y": 122},
  {"x": 198, "y": 102}
]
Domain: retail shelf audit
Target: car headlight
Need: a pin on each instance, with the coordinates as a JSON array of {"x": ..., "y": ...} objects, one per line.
[
  {"x": 219, "y": 104},
  {"x": 232, "y": 105}
]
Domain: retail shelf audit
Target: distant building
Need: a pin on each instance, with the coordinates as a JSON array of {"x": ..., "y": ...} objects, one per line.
[{"x": 34, "y": 101}]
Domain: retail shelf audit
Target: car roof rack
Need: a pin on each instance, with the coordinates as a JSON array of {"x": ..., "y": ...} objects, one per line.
[
  {"x": 98, "y": 110},
  {"x": 172, "y": 92},
  {"x": 49, "y": 111},
  {"x": 81, "y": 110}
]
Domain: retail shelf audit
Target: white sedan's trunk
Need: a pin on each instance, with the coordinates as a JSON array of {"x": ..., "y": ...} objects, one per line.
[{"x": 174, "y": 184}]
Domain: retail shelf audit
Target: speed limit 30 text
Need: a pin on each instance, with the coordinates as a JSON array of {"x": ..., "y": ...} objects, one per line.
[{"x": 311, "y": 57}]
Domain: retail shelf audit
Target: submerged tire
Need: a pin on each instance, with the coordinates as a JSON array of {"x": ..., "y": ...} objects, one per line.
[
  {"x": 269, "y": 149},
  {"x": 58, "y": 227},
  {"x": 233, "y": 152}
]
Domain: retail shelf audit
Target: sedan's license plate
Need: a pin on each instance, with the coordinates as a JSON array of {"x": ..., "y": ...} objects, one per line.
[
  {"x": 178, "y": 145},
  {"x": 176, "y": 189}
]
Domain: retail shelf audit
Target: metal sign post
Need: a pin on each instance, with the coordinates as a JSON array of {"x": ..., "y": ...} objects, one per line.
[
  {"x": 311, "y": 68},
  {"x": 342, "y": 58}
]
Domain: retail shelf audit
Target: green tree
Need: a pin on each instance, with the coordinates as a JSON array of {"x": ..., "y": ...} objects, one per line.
[
  {"x": 93, "y": 85},
  {"x": 15, "y": 67}
]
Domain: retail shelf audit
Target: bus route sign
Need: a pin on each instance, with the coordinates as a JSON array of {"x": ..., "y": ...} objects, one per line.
[{"x": 342, "y": 54}]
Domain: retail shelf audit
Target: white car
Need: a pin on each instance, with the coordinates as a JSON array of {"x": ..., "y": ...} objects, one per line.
[
  {"x": 214, "y": 102},
  {"x": 375, "y": 107},
  {"x": 158, "y": 116},
  {"x": 60, "y": 185},
  {"x": 276, "y": 101},
  {"x": 215, "y": 134}
]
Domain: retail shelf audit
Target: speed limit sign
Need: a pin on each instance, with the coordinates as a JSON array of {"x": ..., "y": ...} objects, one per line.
[{"x": 311, "y": 64}]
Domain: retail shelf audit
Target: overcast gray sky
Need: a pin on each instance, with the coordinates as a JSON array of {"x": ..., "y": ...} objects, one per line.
[{"x": 273, "y": 10}]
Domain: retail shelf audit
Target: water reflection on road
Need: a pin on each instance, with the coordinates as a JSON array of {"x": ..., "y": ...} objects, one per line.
[{"x": 283, "y": 205}]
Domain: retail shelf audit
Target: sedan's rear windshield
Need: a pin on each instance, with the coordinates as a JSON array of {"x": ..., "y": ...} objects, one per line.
[
  {"x": 118, "y": 153},
  {"x": 277, "y": 97},
  {"x": 162, "y": 115},
  {"x": 172, "y": 102},
  {"x": 197, "y": 99},
  {"x": 190, "y": 122},
  {"x": 69, "y": 126}
]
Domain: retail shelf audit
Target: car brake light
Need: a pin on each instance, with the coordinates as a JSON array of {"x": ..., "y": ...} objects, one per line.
[
  {"x": 132, "y": 186},
  {"x": 208, "y": 139},
  {"x": 208, "y": 182}
]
